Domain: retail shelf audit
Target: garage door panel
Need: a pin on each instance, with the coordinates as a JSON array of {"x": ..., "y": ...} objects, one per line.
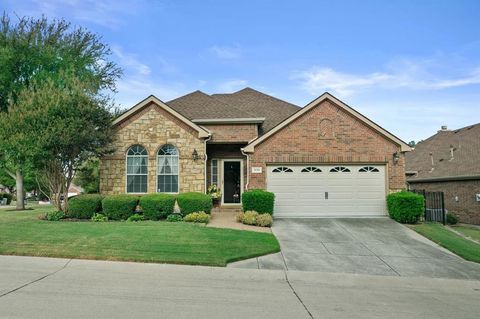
[{"x": 351, "y": 193}]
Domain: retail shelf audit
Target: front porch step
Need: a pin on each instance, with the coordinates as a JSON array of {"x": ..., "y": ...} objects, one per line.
[{"x": 228, "y": 208}]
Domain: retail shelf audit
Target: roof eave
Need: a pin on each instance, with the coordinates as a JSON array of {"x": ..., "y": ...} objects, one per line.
[{"x": 256, "y": 120}]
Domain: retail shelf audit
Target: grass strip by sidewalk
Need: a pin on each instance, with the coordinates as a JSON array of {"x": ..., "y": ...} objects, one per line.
[
  {"x": 441, "y": 235},
  {"x": 21, "y": 233}
]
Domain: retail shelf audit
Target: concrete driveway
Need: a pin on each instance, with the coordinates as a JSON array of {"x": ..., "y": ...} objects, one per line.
[{"x": 373, "y": 246}]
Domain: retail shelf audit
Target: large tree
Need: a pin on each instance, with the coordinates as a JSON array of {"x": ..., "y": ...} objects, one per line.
[
  {"x": 58, "y": 126},
  {"x": 36, "y": 50}
]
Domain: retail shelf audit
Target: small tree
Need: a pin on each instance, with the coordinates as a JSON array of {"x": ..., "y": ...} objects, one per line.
[{"x": 60, "y": 125}]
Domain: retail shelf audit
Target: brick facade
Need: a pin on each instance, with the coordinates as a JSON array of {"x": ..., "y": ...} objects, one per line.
[
  {"x": 153, "y": 127},
  {"x": 465, "y": 205},
  {"x": 328, "y": 134},
  {"x": 232, "y": 133}
]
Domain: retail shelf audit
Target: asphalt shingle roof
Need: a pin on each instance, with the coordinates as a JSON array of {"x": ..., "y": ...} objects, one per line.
[
  {"x": 246, "y": 103},
  {"x": 465, "y": 143},
  {"x": 262, "y": 105},
  {"x": 198, "y": 105}
]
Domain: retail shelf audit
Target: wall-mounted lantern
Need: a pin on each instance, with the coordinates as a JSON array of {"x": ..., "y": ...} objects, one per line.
[
  {"x": 396, "y": 157},
  {"x": 195, "y": 155}
]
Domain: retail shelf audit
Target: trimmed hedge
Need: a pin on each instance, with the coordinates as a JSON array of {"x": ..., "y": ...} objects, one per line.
[
  {"x": 84, "y": 206},
  {"x": 8, "y": 196},
  {"x": 119, "y": 207},
  {"x": 157, "y": 206},
  {"x": 405, "y": 207},
  {"x": 258, "y": 200},
  {"x": 194, "y": 202}
]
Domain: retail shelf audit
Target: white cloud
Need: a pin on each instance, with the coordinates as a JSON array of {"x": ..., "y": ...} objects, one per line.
[
  {"x": 405, "y": 74},
  {"x": 130, "y": 61},
  {"x": 226, "y": 53},
  {"x": 231, "y": 85},
  {"x": 107, "y": 13}
]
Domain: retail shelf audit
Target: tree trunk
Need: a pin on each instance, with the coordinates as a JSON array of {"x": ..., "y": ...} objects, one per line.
[{"x": 19, "y": 182}]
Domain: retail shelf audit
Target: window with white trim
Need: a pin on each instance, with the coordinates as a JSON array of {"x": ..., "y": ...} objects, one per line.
[
  {"x": 340, "y": 169},
  {"x": 137, "y": 169},
  {"x": 366, "y": 169},
  {"x": 282, "y": 169},
  {"x": 311, "y": 169},
  {"x": 167, "y": 169},
  {"x": 214, "y": 179}
]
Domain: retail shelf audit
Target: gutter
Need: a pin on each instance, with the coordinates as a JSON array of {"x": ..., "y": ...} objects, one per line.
[
  {"x": 253, "y": 120},
  {"x": 444, "y": 179},
  {"x": 248, "y": 163}
]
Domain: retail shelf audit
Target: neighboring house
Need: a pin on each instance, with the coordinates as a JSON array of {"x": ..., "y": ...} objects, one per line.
[
  {"x": 324, "y": 159},
  {"x": 449, "y": 161}
]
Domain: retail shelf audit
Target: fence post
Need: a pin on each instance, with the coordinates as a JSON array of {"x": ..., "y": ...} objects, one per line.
[{"x": 443, "y": 208}]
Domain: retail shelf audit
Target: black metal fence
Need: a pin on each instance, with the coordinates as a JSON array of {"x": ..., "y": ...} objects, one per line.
[{"x": 434, "y": 205}]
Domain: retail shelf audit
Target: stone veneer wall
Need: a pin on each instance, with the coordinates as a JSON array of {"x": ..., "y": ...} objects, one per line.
[
  {"x": 328, "y": 134},
  {"x": 153, "y": 127}
]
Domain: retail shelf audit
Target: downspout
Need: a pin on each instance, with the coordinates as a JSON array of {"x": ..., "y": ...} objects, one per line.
[
  {"x": 206, "y": 158},
  {"x": 248, "y": 164}
]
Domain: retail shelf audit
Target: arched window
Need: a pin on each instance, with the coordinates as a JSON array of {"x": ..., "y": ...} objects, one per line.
[
  {"x": 342, "y": 169},
  {"x": 137, "y": 169},
  {"x": 282, "y": 169},
  {"x": 366, "y": 169},
  {"x": 311, "y": 169},
  {"x": 167, "y": 169}
]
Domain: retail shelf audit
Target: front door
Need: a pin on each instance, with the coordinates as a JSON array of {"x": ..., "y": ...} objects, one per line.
[{"x": 232, "y": 181}]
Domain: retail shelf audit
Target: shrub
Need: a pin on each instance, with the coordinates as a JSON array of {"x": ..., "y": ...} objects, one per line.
[
  {"x": 250, "y": 217},
  {"x": 200, "y": 217},
  {"x": 99, "y": 218},
  {"x": 405, "y": 207},
  {"x": 157, "y": 206},
  {"x": 119, "y": 207},
  {"x": 174, "y": 218},
  {"x": 258, "y": 200},
  {"x": 42, "y": 216},
  {"x": 239, "y": 217},
  {"x": 264, "y": 220},
  {"x": 194, "y": 202},
  {"x": 8, "y": 196},
  {"x": 55, "y": 216},
  {"x": 135, "y": 218},
  {"x": 452, "y": 219},
  {"x": 84, "y": 206}
]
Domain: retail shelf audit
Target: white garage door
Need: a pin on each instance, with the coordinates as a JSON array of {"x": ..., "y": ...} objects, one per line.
[{"x": 327, "y": 190}]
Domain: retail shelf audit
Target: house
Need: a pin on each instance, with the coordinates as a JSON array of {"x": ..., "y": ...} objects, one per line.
[
  {"x": 449, "y": 162},
  {"x": 324, "y": 159}
]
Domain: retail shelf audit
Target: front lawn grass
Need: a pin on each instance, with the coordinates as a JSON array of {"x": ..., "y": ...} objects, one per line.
[
  {"x": 448, "y": 239},
  {"x": 21, "y": 233},
  {"x": 469, "y": 231}
]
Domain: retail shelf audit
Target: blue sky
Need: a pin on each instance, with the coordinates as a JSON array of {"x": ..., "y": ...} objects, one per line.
[{"x": 411, "y": 66}]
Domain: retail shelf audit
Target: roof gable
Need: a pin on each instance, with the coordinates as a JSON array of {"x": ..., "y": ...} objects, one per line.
[
  {"x": 315, "y": 103},
  {"x": 202, "y": 133}
]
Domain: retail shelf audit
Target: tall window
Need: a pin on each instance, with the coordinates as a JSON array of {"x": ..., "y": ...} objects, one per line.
[
  {"x": 214, "y": 180},
  {"x": 137, "y": 169},
  {"x": 167, "y": 169}
]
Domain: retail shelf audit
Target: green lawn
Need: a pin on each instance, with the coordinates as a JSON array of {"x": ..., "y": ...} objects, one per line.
[
  {"x": 21, "y": 233},
  {"x": 469, "y": 231},
  {"x": 448, "y": 239}
]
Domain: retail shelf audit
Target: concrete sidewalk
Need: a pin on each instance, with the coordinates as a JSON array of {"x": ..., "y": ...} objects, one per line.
[{"x": 60, "y": 288}]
